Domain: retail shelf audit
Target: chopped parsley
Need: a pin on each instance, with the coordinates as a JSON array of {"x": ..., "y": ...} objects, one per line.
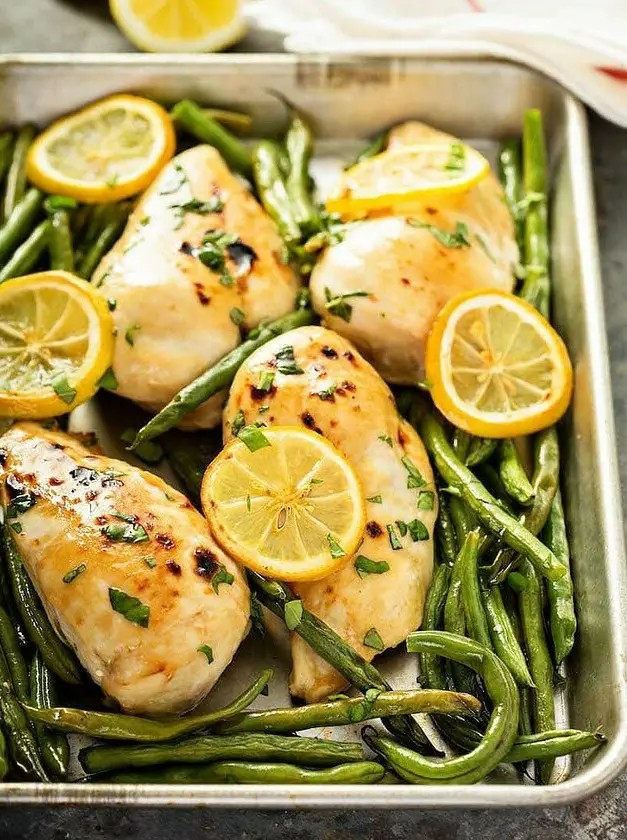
[
  {"x": 129, "y": 335},
  {"x": 74, "y": 573},
  {"x": 365, "y": 566},
  {"x": 108, "y": 380},
  {"x": 327, "y": 394},
  {"x": 415, "y": 478},
  {"x": 111, "y": 303},
  {"x": 178, "y": 178},
  {"x": 457, "y": 158},
  {"x": 417, "y": 530},
  {"x": 386, "y": 439},
  {"x": 456, "y": 239},
  {"x": 373, "y": 640},
  {"x": 221, "y": 576},
  {"x": 195, "y": 205},
  {"x": 17, "y": 527},
  {"x": 285, "y": 361},
  {"x": 376, "y": 500},
  {"x": 62, "y": 388},
  {"x": 256, "y": 616},
  {"x": 336, "y": 304},
  {"x": 130, "y": 533},
  {"x": 150, "y": 561},
  {"x": 239, "y": 421},
  {"x": 144, "y": 221},
  {"x": 426, "y": 500},
  {"x": 131, "y": 608},
  {"x": 148, "y": 451},
  {"x": 207, "y": 651},
  {"x": 237, "y": 315},
  {"x": 214, "y": 251},
  {"x": 253, "y": 437},
  {"x": 263, "y": 409},
  {"x": 402, "y": 527},
  {"x": 334, "y": 547},
  {"x": 293, "y": 613},
  {"x": 266, "y": 380},
  {"x": 394, "y": 540}
]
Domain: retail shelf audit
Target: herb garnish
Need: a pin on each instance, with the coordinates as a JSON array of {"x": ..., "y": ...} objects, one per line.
[
  {"x": 377, "y": 500},
  {"x": 285, "y": 361},
  {"x": 402, "y": 527},
  {"x": 111, "y": 303},
  {"x": 293, "y": 613},
  {"x": 108, "y": 380},
  {"x": 426, "y": 500},
  {"x": 415, "y": 478},
  {"x": 336, "y": 304},
  {"x": 129, "y": 335},
  {"x": 394, "y": 540},
  {"x": 221, "y": 576},
  {"x": 130, "y": 533},
  {"x": 253, "y": 437},
  {"x": 456, "y": 239},
  {"x": 178, "y": 181},
  {"x": 266, "y": 380},
  {"x": 365, "y": 566},
  {"x": 195, "y": 205},
  {"x": 386, "y": 439},
  {"x": 74, "y": 573},
  {"x": 373, "y": 640},
  {"x": 150, "y": 561},
  {"x": 457, "y": 158},
  {"x": 237, "y": 315},
  {"x": 334, "y": 547},
  {"x": 417, "y": 530},
  {"x": 214, "y": 251},
  {"x": 327, "y": 394},
  {"x": 207, "y": 651},
  {"x": 62, "y": 388},
  {"x": 239, "y": 421},
  {"x": 128, "y": 606}
]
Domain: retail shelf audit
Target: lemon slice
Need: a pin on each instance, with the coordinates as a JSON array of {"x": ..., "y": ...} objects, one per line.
[
  {"x": 406, "y": 174},
  {"x": 284, "y": 502},
  {"x": 108, "y": 151},
  {"x": 179, "y": 25},
  {"x": 56, "y": 342},
  {"x": 497, "y": 368}
]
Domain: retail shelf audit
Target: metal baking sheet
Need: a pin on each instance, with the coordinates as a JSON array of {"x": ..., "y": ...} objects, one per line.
[{"x": 349, "y": 100}]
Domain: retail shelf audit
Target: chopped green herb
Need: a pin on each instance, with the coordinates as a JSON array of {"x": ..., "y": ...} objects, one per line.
[
  {"x": 253, "y": 437},
  {"x": 402, "y": 527},
  {"x": 207, "y": 651},
  {"x": 327, "y": 394},
  {"x": 417, "y": 530},
  {"x": 148, "y": 451},
  {"x": 214, "y": 252},
  {"x": 21, "y": 502},
  {"x": 17, "y": 527},
  {"x": 150, "y": 561},
  {"x": 457, "y": 158},
  {"x": 426, "y": 500},
  {"x": 131, "y": 533},
  {"x": 316, "y": 481},
  {"x": 179, "y": 178},
  {"x": 373, "y": 640},
  {"x": 266, "y": 381},
  {"x": 74, "y": 573},
  {"x": 60, "y": 202},
  {"x": 195, "y": 205},
  {"x": 334, "y": 547},
  {"x": 285, "y": 361},
  {"x": 111, "y": 303},
  {"x": 415, "y": 478},
  {"x": 125, "y": 517},
  {"x": 365, "y": 566},
  {"x": 108, "y": 380},
  {"x": 239, "y": 421},
  {"x": 237, "y": 315},
  {"x": 129, "y": 335},
  {"x": 248, "y": 505},
  {"x": 62, "y": 388},
  {"x": 386, "y": 439},
  {"x": 394, "y": 540},
  {"x": 221, "y": 576},
  {"x": 128, "y": 606},
  {"x": 293, "y": 614},
  {"x": 256, "y": 616},
  {"x": 336, "y": 304},
  {"x": 263, "y": 409},
  {"x": 144, "y": 221},
  {"x": 376, "y": 500},
  {"x": 456, "y": 239}
]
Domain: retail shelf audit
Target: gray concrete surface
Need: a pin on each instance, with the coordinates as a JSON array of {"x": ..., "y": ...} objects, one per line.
[{"x": 83, "y": 25}]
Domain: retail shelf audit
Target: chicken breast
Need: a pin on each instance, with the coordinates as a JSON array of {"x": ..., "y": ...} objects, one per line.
[
  {"x": 174, "y": 316},
  {"x": 342, "y": 397},
  {"x": 126, "y": 569},
  {"x": 408, "y": 273}
]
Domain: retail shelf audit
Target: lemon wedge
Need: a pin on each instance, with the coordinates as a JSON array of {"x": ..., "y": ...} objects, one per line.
[
  {"x": 56, "y": 342},
  {"x": 497, "y": 368},
  {"x": 108, "y": 151},
  {"x": 284, "y": 502},
  {"x": 405, "y": 175}
]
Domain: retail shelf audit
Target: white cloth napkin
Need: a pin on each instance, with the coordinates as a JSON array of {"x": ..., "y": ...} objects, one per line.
[{"x": 580, "y": 43}]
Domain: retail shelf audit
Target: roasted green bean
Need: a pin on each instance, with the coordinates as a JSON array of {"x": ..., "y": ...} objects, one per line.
[
  {"x": 503, "y": 636},
  {"x": 10, "y": 644},
  {"x": 563, "y": 621},
  {"x": 20, "y": 223},
  {"x": 480, "y": 450},
  {"x": 559, "y": 743},
  {"x": 60, "y": 241},
  {"x": 476, "y": 621},
  {"x": 536, "y": 288},
  {"x": 513, "y": 474},
  {"x": 272, "y": 190},
  {"x": 299, "y": 145},
  {"x": 445, "y": 533},
  {"x": 510, "y": 172},
  {"x": 53, "y": 745},
  {"x": 27, "y": 255},
  {"x": 193, "y": 119},
  {"x": 16, "y": 175}
]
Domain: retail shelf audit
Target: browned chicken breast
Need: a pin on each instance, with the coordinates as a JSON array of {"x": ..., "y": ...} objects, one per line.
[
  {"x": 126, "y": 569},
  {"x": 174, "y": 315},
  {"x": 339, "y": 395},
  {"x": 410, "y": 272}
]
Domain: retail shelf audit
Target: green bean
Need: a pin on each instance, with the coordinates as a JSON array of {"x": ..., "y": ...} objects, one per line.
[
  {"x": 249, "y": 773},
  {"x": 492, "y": 480},
  {"x": 536, "y": 287},
  {"x": 312, "y": 752},
  {"x": 189, "y": 455},
  {"x": 480, "y": 450},
  {"x": 445, "y": 533},
  {"x": 272, "y": 190},
  {"x": 6, "y": 600},
  {"x": 16, "y": 175},
  {"x": 540, "y": 665},
  {"x": 545, "y": 481},
  {"x": 431, "y": 671},
  {"x": 299, "y": 144},
  {"x": 454, "y": 620},
  {"x": 55, "y": 653},
  {"x": 464, "y": 521},
  {"x": 23, "y": 749},
  {"x": 501, "y": 730},
  {"x": 218, "y": 377},
  {"x": 374, "y": 147},
  {"x": 10, "y": 644},
  {"x": 504, "y": 637},
  {"x": 192, "y": 118},
  {"x": 20, "y": 223},
  {"x": 513, "y": 474},
  {"x": 334, "y": 650},
  {"x": 562, "y": 619},
  {"x": 26, "y": 257},
  {"x": 476, "y": 621},
  {"x": 52, "y": 745},
  {"x": 460, "y": 441},
  {"x": 511, "y": 178},
  {"x": 105, "y": 240},
  {"x": 61, "y": 250},
  {"x": 120, "y": 727},
  {"x": 561, "y": 744},
  {"x": 6, "y": 152},
  {"x": 487, "y": 509},
  {"x": 344, "y": 712}
]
